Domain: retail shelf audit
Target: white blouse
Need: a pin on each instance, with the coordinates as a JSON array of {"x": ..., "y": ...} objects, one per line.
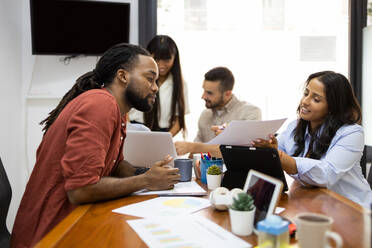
[{"x": 165, "y": 95}]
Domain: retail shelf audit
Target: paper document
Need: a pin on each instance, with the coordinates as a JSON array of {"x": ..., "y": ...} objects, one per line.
[
  {"x": 182, "y": 188},
  {"x": 241, "y": 133},
  {"x": 278, "y": 210},
  {"x": 164, "y": 206},
  {"x": 190, "y": 231}
]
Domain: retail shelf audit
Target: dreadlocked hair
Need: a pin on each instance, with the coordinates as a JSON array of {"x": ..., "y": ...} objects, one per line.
[{"x": 120, "y": 56}]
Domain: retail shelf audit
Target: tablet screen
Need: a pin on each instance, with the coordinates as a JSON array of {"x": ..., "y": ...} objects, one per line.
[{"x": 262, "y": 192}]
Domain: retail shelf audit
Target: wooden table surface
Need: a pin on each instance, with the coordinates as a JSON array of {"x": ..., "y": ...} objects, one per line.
[{"x": 95, "y": 225}]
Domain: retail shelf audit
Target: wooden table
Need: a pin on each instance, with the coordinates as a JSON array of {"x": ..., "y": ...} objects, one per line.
[{"x": 95, "y": 225}]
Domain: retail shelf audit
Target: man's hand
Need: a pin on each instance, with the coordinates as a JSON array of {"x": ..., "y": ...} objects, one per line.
[
  {"x": 160, "y": 176},
  {"x": 218, "y": 129},
  {"x": 183, "y": 147}
]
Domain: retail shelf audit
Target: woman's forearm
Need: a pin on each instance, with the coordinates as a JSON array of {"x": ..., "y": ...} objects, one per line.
[{"x": 288, "y": 163}]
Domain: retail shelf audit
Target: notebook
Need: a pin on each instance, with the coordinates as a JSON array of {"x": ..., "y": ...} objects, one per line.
[
  {"x": 180, "y": 189},
  {"x": 240, "y": 159}
]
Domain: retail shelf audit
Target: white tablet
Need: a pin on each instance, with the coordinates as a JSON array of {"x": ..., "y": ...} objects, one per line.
[
  {"x": 265, "y": 191},
  {"x": 143, "y": 149}
]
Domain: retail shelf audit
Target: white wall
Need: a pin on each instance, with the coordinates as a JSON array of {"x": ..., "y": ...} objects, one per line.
[
  {"x": 11, "y": 101},
  {"x": 50, "y": 80}
]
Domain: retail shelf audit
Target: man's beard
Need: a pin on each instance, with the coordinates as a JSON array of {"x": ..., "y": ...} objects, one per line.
[
  {"x": 141, "y": 104},
  {"x": 217, "y": 104}
]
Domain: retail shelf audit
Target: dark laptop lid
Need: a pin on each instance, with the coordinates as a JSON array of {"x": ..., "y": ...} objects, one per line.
[{"x": 240, "y": 159}]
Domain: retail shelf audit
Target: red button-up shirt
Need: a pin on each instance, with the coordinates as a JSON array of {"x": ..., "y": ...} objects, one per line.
[{"x": 83, "y": 144}]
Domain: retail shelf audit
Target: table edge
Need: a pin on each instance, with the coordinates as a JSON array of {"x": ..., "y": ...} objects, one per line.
[
  {"x": 345, "y": 200},
  {"x": 62, "y": 228}
]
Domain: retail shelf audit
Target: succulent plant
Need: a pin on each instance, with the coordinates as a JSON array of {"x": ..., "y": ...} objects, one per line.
[
  {"x": 214, "y": 170},
  {"x": 243, "y": 202}
]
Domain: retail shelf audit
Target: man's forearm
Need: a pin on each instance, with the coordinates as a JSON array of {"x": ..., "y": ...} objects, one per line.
[
  {"x": 107, "y": 188},
  {"x": 214, "y": 150},
  {"x": 124, "y": 169},
  {"x": 159, "y": 177}
]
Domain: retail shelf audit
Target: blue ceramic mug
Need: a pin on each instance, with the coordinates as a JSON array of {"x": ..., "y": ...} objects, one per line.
[{"x": 185, "y": 168}]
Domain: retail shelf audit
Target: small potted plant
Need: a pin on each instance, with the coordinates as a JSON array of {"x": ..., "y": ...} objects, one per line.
[
  {"x": 242, "y": 214},
  {"x": 214, "y": 176}
]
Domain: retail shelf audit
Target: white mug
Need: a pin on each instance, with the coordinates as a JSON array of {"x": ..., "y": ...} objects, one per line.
[{"x": 314, "y": 231}]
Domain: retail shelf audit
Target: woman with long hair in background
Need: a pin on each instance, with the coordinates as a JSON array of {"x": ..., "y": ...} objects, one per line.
[{"x": 171, "y": 105}]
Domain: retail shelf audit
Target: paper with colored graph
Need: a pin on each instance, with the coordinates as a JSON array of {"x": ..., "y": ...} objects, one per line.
[
  {"x": 164, "y": 206},
  {"x": 185, "y": 231}
]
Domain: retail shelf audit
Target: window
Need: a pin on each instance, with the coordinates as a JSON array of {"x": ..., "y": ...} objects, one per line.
[{"x": 271, "y": 46}]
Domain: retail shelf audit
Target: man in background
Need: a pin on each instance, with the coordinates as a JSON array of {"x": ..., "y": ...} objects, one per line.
[{"x": 222, "y": 107}]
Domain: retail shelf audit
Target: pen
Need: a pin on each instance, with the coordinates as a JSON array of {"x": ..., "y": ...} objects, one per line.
[
  {"x": 209, "y": 155},
  {"x": 222, "y": 127}
]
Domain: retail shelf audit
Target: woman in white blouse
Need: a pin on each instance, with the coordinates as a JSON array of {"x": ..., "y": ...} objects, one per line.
[{"x": 171, "y": 105}]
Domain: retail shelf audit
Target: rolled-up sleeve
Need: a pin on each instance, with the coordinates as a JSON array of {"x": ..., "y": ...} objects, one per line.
[
  {"x": 345, "y": 150},
  {"x": 89, "y": 131}
]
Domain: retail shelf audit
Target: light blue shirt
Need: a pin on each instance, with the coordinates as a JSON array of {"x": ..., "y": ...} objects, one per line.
[{"x": 338, "y": 169}]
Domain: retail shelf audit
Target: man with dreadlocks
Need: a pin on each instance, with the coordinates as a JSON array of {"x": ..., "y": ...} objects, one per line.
[{"x": 80, "y": 158}]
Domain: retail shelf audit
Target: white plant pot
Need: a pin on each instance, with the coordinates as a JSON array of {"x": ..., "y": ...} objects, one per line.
[
  {"x": 214, "y": 181},
  {"x": 241, "y": 221}
]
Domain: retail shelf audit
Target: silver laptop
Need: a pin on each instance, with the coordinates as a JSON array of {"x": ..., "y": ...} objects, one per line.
[{"x": 143, "y": 149}]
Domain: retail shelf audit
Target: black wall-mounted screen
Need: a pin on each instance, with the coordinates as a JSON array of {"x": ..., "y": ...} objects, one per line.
[{"x": 73, "y": 27}]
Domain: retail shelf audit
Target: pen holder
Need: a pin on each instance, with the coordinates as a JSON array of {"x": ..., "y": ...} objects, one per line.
[{"x": 204, "y": 165}]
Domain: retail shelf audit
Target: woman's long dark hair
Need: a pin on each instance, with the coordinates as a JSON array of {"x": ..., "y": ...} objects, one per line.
[
  {"x": 120, "y": 56},
  {"x": 162, "y": 47},
  {"x": 343, "y": 109}
]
